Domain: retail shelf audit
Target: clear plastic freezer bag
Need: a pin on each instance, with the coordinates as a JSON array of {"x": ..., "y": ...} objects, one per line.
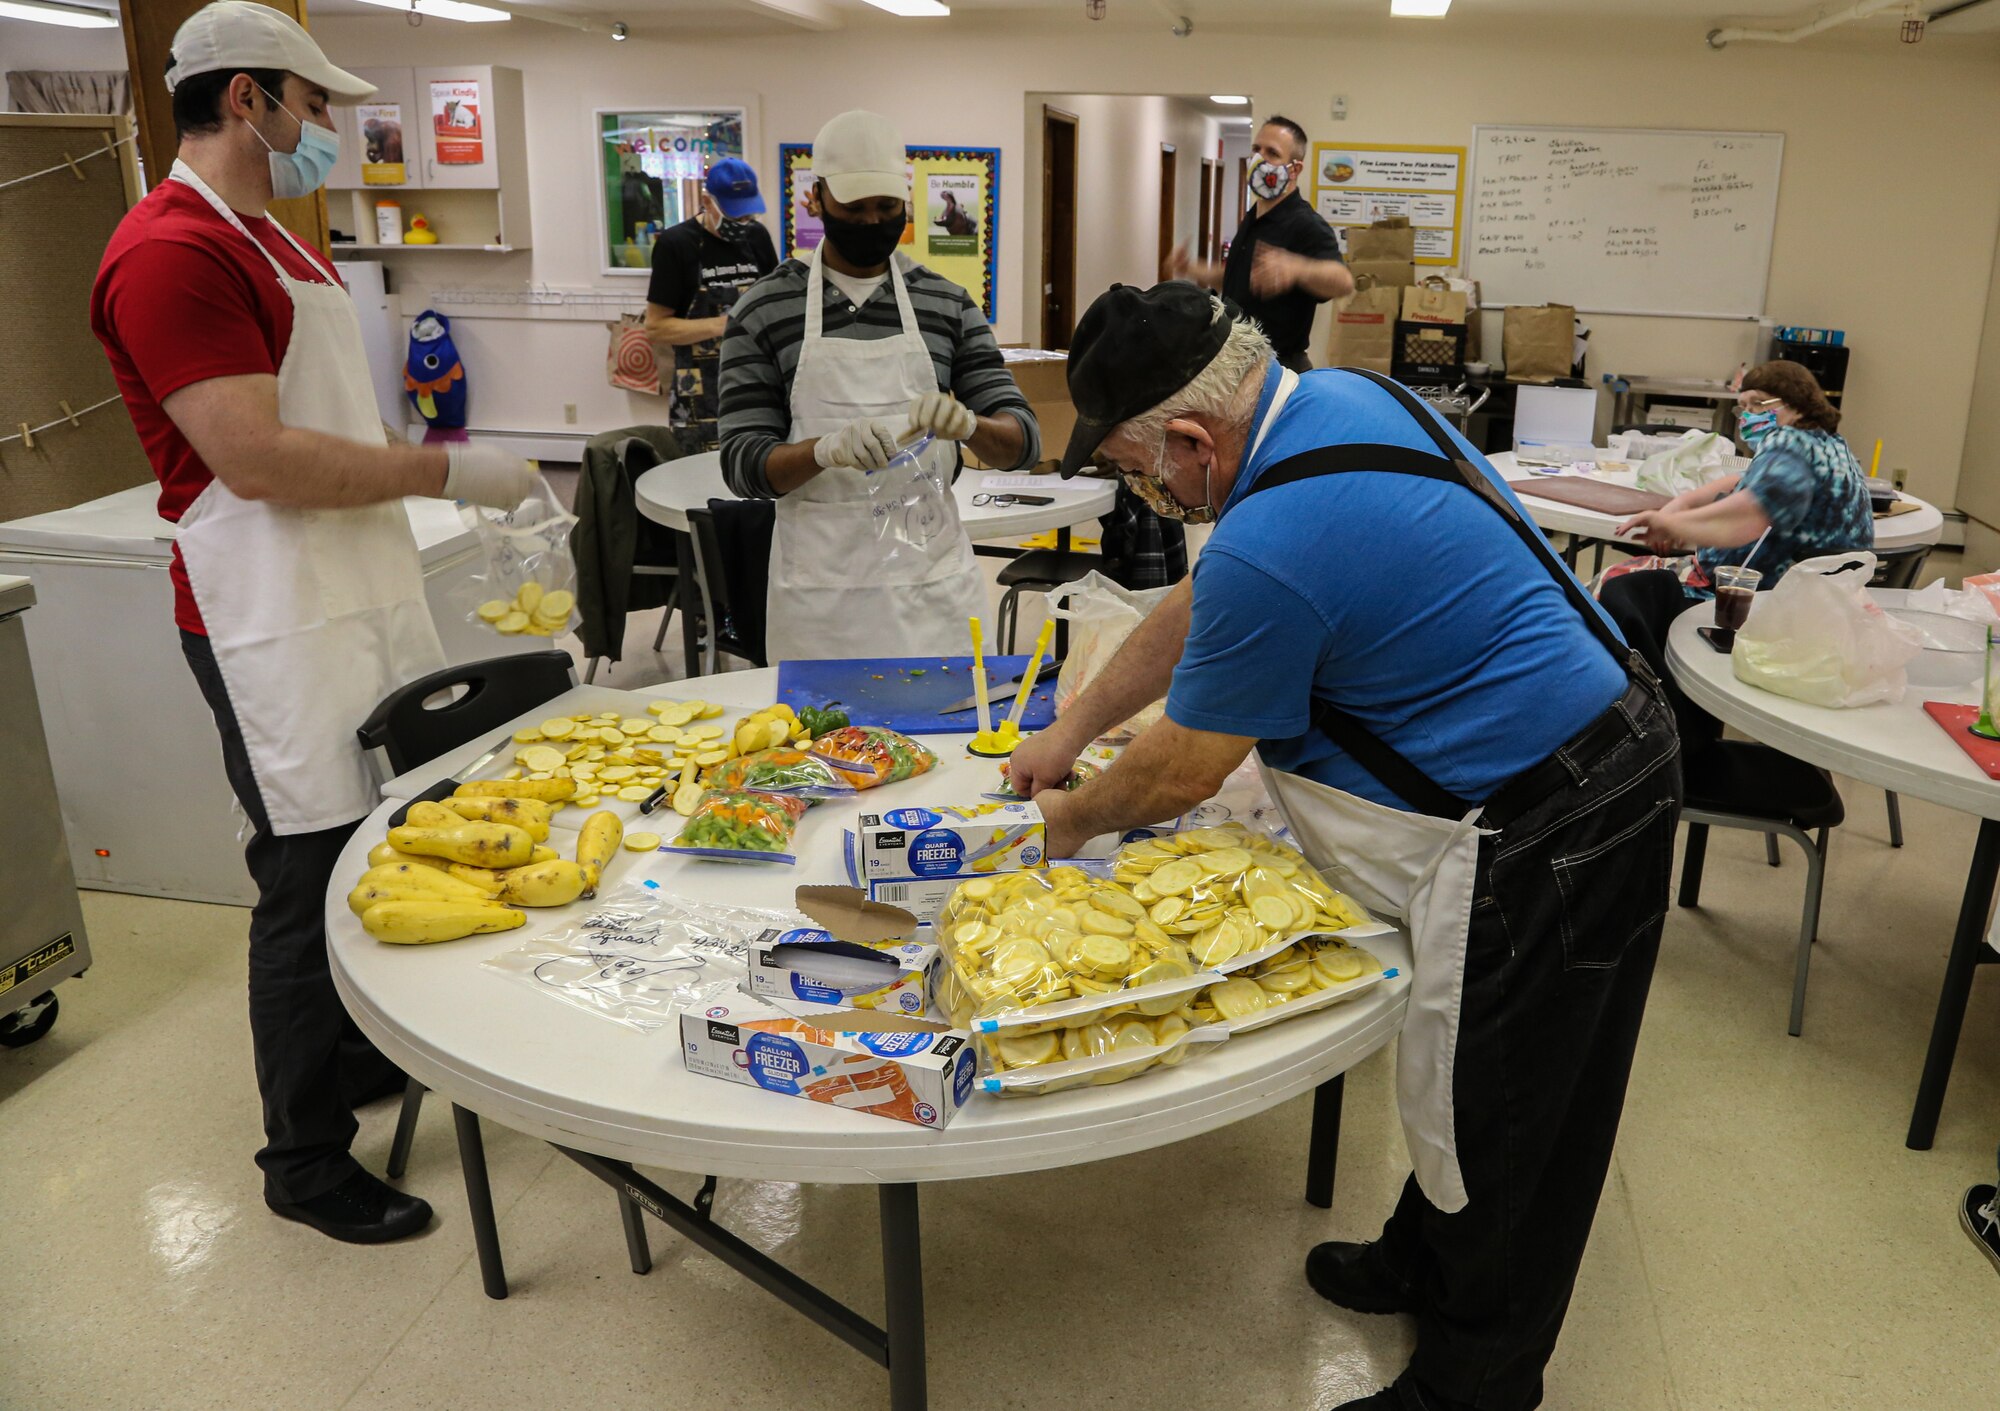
[
  {"x": 529, "y": 582},
  {"x": 1101, "y": 615},
  {"x": 642, "y": 954}
]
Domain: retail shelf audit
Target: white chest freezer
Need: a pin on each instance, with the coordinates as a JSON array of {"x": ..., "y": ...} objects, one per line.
[{"x": 137, "y": 762}]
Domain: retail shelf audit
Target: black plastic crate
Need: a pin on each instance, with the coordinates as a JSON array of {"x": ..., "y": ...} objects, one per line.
[
  {"x": 1428, "y": 352},
  {"x": 1827, "y": 362}
]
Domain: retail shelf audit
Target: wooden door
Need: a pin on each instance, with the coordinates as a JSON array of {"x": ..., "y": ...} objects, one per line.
[
  {"x": 1215, "y": 206},
  {"x": 1059, "y": 137},
  {"x": 1204, "y": 225},
  {"x": 149, "y": 39},
  {"x": 1167, "y": 193}
]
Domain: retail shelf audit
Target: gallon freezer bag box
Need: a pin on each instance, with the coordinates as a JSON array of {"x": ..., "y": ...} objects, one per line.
[
  {"x": 860, "y": 953},
  {"x": 915, "y": 857},
  {"x": 888, "y": 1065}
]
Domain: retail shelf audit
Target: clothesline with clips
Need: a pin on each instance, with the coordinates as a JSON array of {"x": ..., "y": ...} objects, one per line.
[
  {"x": 72, "y": 415},
  {"x": 526, "y": 300},
  {"x": 70, "y": 164}
]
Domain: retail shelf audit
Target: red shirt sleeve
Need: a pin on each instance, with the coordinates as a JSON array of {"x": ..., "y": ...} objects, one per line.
[{"x": 184, "y": 315}]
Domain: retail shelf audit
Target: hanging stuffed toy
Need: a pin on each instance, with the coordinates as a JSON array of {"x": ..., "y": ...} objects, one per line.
[{"x": 435, "y": 378}]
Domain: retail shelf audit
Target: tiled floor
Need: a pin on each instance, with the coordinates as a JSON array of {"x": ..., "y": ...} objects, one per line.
[{"x": 1765, "y": 1240}]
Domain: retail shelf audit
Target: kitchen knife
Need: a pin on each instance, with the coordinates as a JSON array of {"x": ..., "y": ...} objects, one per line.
[
  {"x": 997, "y": 694},
  {"x": 445, "y": 787}
]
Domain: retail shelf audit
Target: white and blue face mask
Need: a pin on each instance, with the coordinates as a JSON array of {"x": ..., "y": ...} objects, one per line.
[
  {"x": 303, "y": 170},
  {"x": 1755, "y": 426}
]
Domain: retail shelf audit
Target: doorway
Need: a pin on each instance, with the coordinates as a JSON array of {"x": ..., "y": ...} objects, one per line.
[
  {"x": 1205, "y": 220},
  {"x": 1059, "y": 143},
  {"x": 1168, "y": 171}
]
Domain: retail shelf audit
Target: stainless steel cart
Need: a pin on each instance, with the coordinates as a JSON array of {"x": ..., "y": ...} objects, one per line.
[{"x": 41, "y": 921}]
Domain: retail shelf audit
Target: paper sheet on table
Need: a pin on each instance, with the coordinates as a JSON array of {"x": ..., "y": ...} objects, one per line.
[{"x": 1043, "y": 483}]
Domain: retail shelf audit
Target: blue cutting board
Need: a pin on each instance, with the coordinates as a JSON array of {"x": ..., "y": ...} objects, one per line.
[{"x": 882, "y": 691}]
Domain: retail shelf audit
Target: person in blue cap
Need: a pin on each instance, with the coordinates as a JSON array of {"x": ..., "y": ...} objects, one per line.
[{"x": 699, "y": 267}]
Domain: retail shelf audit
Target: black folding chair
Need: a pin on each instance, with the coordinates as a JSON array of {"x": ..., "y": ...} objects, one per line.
[
  {"x": 732, "y": 552},
  {"x": 1898, "y": 568},
  {"x": 436, "y": 714}
]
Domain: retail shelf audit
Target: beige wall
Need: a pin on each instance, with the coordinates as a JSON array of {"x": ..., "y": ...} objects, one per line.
[
  {"x": 1889, "y": 149},
  {"x": 1117, "y": 190},
  {"x": 1979, "y": 480}
]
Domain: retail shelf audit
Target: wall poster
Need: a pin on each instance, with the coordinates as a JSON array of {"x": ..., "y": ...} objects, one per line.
[
  {"x": 1361, "y": 183},
  {"x": 381, "y": 127},
  {"x": 651, "y": 168},
  {"x": 455, "y": 122},
  {"x": 954, "y": 214}
]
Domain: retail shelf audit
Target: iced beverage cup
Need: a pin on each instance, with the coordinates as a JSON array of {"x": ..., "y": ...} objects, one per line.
[{"x": 1734, "y": 588}]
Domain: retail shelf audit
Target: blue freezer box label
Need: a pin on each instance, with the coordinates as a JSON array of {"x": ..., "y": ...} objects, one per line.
[
  {"x": 809, "y": 964},
  {"x": 947, "y": 841}
]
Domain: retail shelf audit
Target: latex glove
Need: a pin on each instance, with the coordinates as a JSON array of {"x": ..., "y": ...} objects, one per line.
[
  {"x": 867, "y": 443},
  {"x": 943, "y": 415},
  {"x": 487, "y": 475}
]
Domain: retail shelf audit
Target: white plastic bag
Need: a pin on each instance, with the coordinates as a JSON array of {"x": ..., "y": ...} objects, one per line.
[
  {"x": 1697, "y": 459},
  {"x": 1818, "y": 637},
  {"x": 529, "y": 585},
  {"x": 1101, "y": 615}
]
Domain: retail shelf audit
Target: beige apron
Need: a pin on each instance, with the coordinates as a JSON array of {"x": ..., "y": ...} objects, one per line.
[
  {"x": 868, "y": 565},
  {"x": 314, "y": 615}
]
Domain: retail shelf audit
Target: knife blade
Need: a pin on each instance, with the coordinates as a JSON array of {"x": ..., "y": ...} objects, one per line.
[
  {"x": 1006, "y": 691},
  {"x": 444, "y": 787}
]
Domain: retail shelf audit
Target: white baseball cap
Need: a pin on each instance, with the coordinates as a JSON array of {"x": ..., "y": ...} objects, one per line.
[
  {"x": 860, "y": 154},
  {"x": 237, "y": 35}
]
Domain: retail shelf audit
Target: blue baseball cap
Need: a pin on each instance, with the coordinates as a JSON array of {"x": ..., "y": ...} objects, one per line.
[{"x": 734, "y": 186}]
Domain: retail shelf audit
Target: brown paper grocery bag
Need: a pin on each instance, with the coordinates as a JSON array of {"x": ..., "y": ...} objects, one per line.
[
  {"x": 1385, "y": 251},
  {"x": 1364, "y": 327},
  {"x": 1433, "y": 301},
  {"x": 1538, "y": 344}
]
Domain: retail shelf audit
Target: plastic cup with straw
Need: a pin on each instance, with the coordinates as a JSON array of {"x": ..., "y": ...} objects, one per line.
[{"x": 1984, "y": 726}]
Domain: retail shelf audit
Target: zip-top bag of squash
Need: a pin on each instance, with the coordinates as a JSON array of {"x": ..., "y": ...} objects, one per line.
[{"x": 529, "y": 585}]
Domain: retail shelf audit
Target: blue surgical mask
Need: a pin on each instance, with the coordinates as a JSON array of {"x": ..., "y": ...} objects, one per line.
[
  {"x": 1755, "y": 426},
  {"x": 304, "y": 170}
]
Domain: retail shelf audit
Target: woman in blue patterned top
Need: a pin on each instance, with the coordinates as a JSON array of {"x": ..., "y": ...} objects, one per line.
[{"x": 1804, "y": 495}]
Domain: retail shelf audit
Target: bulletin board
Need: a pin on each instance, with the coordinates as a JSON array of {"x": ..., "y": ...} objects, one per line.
[
  {"x": 66, "y": 180},
  {"x": 954, "y": 214},
  {"x": 1361, "y": 183}
]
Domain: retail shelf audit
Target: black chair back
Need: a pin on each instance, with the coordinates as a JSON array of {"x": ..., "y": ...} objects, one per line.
[
  {"x": 496, "y": 691},
  {"x": 732, "y": 543},
  {"x": 1898, "y": 568}
]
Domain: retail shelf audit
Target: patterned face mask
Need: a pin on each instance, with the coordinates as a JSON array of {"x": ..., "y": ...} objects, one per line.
[
  {"x": 1153, "y": 493},
  {"x": 1755, "y": 426}
]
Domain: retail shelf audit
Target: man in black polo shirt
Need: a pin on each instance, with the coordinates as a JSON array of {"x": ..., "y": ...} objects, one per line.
[
  {"x": 1285, "y": 261},
  {"x": 699, "y": 267}
]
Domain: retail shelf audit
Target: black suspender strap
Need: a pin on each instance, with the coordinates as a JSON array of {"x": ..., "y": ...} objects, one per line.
[{"x": 1347, "y": 731}]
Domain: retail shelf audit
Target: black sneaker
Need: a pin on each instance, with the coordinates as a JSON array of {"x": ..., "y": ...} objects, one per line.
[
  {"x": 360, "y": 1210},
  {"x": 1979, "y": 1217},
  {"x": 1350, "y": 1275}
]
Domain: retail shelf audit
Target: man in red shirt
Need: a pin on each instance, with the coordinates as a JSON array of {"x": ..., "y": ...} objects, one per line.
[{"x": 297, "y": 587}]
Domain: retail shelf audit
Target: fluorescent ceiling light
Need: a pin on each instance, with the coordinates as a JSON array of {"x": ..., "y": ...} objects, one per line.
[
  {"x": 69, "y": 16},
  {"x": 1234, "y": 100},
  {"x": 1426, "y": 9},
  {"x": 447, "y": 10},
  {"x": 912, "y": 9}
]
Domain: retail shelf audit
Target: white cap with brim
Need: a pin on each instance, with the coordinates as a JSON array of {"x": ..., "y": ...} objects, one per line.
[
  {"x": 860, "y": 154},
  {"x": 237, "y": 35}
]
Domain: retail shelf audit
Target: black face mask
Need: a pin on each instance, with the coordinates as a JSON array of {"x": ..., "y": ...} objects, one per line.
[{"x": 864, "y": 245}]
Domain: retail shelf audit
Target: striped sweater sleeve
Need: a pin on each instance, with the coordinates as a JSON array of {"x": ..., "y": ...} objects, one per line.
[
  {"x": 755, "y": 411},
  {"x": 979, "y": 378}
]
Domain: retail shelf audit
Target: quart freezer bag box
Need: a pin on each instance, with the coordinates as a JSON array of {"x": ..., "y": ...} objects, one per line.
[
  {"x": 914, "y": 857},
  {"x": 888, "y": 1065},
  {"x": 860, "y": 953}
]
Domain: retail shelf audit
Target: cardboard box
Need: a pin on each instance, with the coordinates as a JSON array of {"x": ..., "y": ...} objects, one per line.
[
  {"x": 861, "y": 955},
  {"x": 1045, "y": 383},
  {"x": 914, "y": 857},
  {"x": 888, "y": 1065}
]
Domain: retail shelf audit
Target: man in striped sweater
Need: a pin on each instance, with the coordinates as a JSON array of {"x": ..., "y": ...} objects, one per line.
[{"x": 849, "y": 381}]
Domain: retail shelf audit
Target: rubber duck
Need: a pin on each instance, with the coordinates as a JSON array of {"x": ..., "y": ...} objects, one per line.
[{"x": 420, "y": 232}]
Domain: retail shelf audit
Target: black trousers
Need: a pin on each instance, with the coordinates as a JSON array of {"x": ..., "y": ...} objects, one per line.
[
  {"x": 1644, "y": 605},
  {"x": 312, "y": 1063},
  {"x": 1566, "y": 923},
  {"x": 1297, "y": 362}
]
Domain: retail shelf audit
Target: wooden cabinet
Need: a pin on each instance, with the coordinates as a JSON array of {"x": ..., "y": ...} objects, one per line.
[{"x": 464, "y": 147}]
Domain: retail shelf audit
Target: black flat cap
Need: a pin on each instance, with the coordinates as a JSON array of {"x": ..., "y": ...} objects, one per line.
[{"x": 1133, "y": 349}]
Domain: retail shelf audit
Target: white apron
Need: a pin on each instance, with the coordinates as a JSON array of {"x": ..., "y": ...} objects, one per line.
[
  {"x": 1421, "y": 870},
  {"x": 314, "y": 614},
  {"x": 868, "y": 565}
]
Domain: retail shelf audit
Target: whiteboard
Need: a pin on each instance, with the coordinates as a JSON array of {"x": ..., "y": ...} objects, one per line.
[{"x": 1624, "y": 220}]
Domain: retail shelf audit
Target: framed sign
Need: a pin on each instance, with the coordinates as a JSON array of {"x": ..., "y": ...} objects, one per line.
[
  {"x": 651, "y": 167},
  {"x": 1361, "y": 183},
  {"x": 954, "y": 214}
]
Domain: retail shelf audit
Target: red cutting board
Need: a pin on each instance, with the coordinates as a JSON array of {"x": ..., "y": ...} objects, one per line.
[{"x": 1954, "y": 719}]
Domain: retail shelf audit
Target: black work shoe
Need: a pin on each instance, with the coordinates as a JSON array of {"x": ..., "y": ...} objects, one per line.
[
  {"x": 360, "y": 1210},
  {"x": 1406, "y": 1395},
  {"x": 1348, "y": 1274},
  {"x": 1979, "y": 1217}
]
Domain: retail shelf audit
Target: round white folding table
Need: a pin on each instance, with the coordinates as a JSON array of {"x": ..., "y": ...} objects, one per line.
[
  {"x": 1895, "y": 746},
  {"x": 1922, "y": 525},
  {"x": 611, "y": 1098},
  {"x": 668, "y": 491}
]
